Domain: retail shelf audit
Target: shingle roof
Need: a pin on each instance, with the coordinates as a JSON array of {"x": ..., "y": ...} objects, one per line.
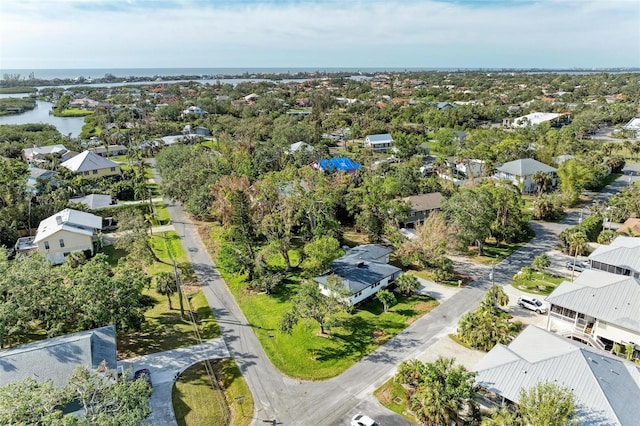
[
  {"x": 525, "y": 167},
  {"x": 623, "y": 252},
  {"x": 338, "y": 164},
  {"x": 368, "y": 252},
  {"x": 425, "y": 202},
  {"x": 88, "y": 161},
  {"x": 69, "y": 220},
  {"x": 602, "y": 295},
  {"x": 357, "y": 274},
  {"x": 57, "y": 358},
  {"x": 607, "y": 388}
]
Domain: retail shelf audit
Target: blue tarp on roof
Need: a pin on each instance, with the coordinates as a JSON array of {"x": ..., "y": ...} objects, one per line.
[{"x": 339, "y": 164}]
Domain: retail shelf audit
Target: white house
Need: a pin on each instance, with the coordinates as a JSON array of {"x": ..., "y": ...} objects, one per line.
[
  {"x": 66, "y": 232},
  {"x": 39, "y": 154},
  {"x": 621, "y": 257},
  {"x": 633, "y": 127},
  {"x": 364, "y": 271},
  {"x": 91, "y": 165},
  {"x": 519, "y": 172},
  {"x": 599, "y": 308},
  {"x": 606, "y": 387},
  {"x": 381, "y": 142},
  {"x": 194, "y": 110},
  {"x": 534, "y": 119}
]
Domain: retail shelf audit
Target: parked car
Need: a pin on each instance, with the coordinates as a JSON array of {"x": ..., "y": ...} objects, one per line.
[
  {"x": 532, "y": 304},
  {"x": 144, "y": 374},
  {"x": 362, "y": 420},
  {"x": 577, "y": 266}
]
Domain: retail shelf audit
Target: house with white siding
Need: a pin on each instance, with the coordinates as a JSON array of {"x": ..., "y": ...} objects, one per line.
[
  {"x": 380, "y": 142},
  {"x": 364, "y": 271},
  {"x": 621, "y": 257},
  {"x": 66, "y": 232},
  {"x": 606, "y": 387},
  {"x": 598, "y": 308}
]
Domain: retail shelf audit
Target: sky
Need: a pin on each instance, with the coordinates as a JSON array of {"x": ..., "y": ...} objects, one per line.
[{"x": 46, "y": 34}]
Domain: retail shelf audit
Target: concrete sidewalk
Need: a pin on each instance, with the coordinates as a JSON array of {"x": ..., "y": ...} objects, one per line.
[{"x": 165, "y": 366}]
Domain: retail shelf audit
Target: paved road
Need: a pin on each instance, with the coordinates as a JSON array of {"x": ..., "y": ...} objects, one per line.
[
  {"x": 333, "y": 402},
  {"x": 164, "y": 366}
]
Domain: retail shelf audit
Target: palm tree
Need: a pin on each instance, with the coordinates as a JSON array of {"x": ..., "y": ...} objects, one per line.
[
  {"x": 166, "y": 286},
  {"x": 407, "y": 284},
  {"x": 542, "y": 181}
]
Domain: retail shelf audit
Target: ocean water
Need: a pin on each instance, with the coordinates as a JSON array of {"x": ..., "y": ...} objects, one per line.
[{"x": 50, "y": 74}]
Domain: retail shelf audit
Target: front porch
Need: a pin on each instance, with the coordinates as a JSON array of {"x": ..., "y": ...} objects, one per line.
[{"x": 574, "y": 325}]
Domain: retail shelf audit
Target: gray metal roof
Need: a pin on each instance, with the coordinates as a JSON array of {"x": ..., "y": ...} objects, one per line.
[
  {"x": 623, "y": 252},
  {"x": 57, "y": 358},
  {"x": 602, "y": 295},
  {"x": 607, "y": 388},
  {"x": 525, "y": 167},
  {"x": 93, "y": 201},
  {"x": 384, "y": 137}
]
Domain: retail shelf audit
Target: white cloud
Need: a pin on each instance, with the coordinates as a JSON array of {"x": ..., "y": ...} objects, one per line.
[{"x": 83, "y": 33}]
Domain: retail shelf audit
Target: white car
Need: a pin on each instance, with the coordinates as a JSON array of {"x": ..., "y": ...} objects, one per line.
[
  {"x": 532, "y": 304},
  {"x": 362, "y": 420}
]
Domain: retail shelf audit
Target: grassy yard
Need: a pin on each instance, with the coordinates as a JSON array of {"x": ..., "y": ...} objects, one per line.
[
  {"x": 160, "y": 214},
  {"x": 72, "y": 112},
  {"x": 539, "y": 283},
  {"x": 163, "y": 328},
  {"x": 493, "y": 253},
  {"x": 305, "y": 353},
  {"x": 393, "y": 396},
  {"x": 198, "y": 402}
]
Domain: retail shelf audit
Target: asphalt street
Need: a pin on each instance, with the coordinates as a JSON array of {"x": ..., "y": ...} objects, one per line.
[{"x": 333, "y": 402}]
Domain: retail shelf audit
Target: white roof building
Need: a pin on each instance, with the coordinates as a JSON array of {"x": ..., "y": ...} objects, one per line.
[
  {"x": 606, "y": 388},
  {"x": 621, "y": 257},
  {"x": 534, "y": 119}
]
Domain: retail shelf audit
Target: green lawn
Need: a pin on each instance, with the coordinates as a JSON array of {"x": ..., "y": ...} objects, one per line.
[
  {"x": 197, "y": 401},
  {"x": 72, "y": 112},
  {"x": 163, "y": 328},
  {"x": 393, "y": 396},
  {"x": 308, "y": 355},
  {"x": 540, "y": 283},
  {"x": 160, "y": 214},
  {"x": 493, "y": 254}
]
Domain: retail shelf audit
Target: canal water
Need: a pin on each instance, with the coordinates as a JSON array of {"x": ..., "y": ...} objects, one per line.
[{"x": 67, "y": 126}]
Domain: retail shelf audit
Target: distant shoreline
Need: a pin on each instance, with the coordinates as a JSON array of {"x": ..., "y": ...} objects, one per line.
[{"x": 55, "y": 77}]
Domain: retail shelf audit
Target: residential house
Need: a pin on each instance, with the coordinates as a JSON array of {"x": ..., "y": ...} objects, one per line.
[
  {"x": 380, "y": 142},
  {"x": 194, "y": 111},
  {"x": 40, "y": 154},
  {"x": 56, "y": 358},
  {"x": 91, "y": 165},
  {"x": 606, "y": 387},
  {"x": 109, "y": 150},
  {"x": 337, "y": 164},
  {"x": 599, "y": 308},
  {"x": 66, "y": 232},
  {"x": 535, "y": 119},
  {"x": 630, "y": 227},
  {"x": 94, "y": 201},
  {"x": 519, "y": 172},
  {"x": 421, "y": 207},
  {"x": 299, "y": 147},
  {"x": 621, "y": 257},
  {"x": 364, "y": 271},
  {"x": 632, "y": 128}
]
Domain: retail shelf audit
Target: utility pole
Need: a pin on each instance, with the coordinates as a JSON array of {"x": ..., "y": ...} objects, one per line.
[{"x": 177, "y": 275}]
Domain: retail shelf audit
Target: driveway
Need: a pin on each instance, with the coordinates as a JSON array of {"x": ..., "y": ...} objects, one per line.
[
  {"x": 333, "y": 402},
  {"x": 165, "y": 366}
]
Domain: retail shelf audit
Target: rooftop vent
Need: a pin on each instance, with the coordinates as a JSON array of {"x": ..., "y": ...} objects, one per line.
[{"x": 59, "y": 220}]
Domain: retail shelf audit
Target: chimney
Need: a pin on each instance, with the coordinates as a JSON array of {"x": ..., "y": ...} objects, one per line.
[{"x": 59, "y": 220}]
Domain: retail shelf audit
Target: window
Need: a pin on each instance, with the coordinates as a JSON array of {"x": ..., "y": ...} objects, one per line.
[
  {"x": 61, "y": 241},
  {"x": 86, "y": 173},
  {"x": 113, "y": 169},
  {"x": 46, "y": 245},
  {"x": 95, "y": 172}
]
